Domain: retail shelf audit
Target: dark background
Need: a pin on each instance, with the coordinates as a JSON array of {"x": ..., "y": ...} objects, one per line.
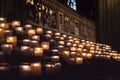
[
  {"x": 107, "y": 32},
  {"x": 106, "y": 15}
]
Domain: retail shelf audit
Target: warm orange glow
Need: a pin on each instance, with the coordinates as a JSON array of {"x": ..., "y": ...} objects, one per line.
[
  {"x": 89, "y": 56},
  {"x": 62, "y": 38},
  {"x": 25, "y": 67},
  {"x": 79, "y": 50},
  {"x": 73, "y": 49},
  {"x": 2, "y": 19},
  {"x": 79, "y": 60},
  {"x": 108, "y": 57},
  {"x": 55, "y": 58},
  {"x": 80, "y": 46},
  {"x": 25, "y": 49},
  {"x": 36, "y": 68},
  {"x": 15, "y": 23},
  {"x": 73, "y": 54},
  {"x": 71, "y": 40},
  {"x": 4, "y": 25},
  {"x": 7, "y": 48},
  {"x": 26, "y": 41},
  {"x": 31, "y": 32},
  {"x": 61, "y": 42},
  {"x": 39, "y": 30},
  {"x": 38, "y": 51},
  {"x": 77, "y": 42},
  {"x": 19, "y": 29},
  {"x": 49, "y": 32},
  {"x": 28, "y": 26},
  {"x": 34, "y": 43},
  {"x": 92, "y": 48},
  {"x": 57, "y": 34},
  {"x": 12, "y": 40},
  {"x": 45, "y": 45},
  {"x": 36, "y": 37},
  {"x": 84, "y": 55},
  {"x": 67, "y": 53},
  {"x": 92, "y": 51},
  {"x": 72, "y": 59},
  {"x": 68, "y": 44}
]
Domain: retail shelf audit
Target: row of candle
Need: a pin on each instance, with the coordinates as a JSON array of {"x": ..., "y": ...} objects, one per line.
[
  {"x": 35, "y": 68},
  {"x": 27, "y": 41},
  {"x": 74, "y": 48}
]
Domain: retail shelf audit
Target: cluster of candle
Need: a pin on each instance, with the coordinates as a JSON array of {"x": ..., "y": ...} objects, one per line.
[
  {"x": 29, "y": 41},
  {"x": 50, "y": 45}
]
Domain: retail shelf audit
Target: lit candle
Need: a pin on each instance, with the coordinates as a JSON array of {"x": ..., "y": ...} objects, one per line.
[
  {"x": 49, "y": 32},
  {"x": 25, "y": 69},
  {"x": 4, "y": 66},
  {"x": 26, "y": 42},
  {"x": 60, "y": 46},
  {"x": 61, "y": 42},
  {"x": 64, "y": 35},
  {"x": 80, "y": 46},
  {"x": 66, "y": 53},
  {"x": 92, "y": 51},
  {"x": 8, "y": 33},
  {"x": 45, "y": 45},
  {"x": 38, "y": 51},
  {"x": 71, "y": 40},
  {"x": 84, "y": 55},
  {"x": 79, "y": 50},
  {"x": 4, "y": 25},
  {"x": 73, "y": 48},
  {"x": 25, "y": 50},
  {"x": 72, "y": 59},
  {"x": 48, "y": 36},
  {"x": 15, "y": 23},
  {"x": 12, "y": 40},
  {"x": 57, "y": 34},
  {"x": 75, "y": 45},
  {"x": 70, "y": 37},
  {"x": 36, "y": 68},
  {"x": 73, "y": 54},
  {"x": 77, "y": 41},
  {"x": 34, "y": 43},
  {"x": 28, "y": 26},
  {"x": 19, "y": 30},
  {"x": 99, "y": 52},
  {"x": 39, "y": 30},
  {"x": 48, "y": 68},
  {"x": 36, "y": 37},
  {"x": 7, "y": 48},
  {"x": 55, "y": 58},
  {"x": 55, "y": 51},
  {"x": 2, "y": 19},
  {"x": 31, "y": 32},
  {"x": 79, "y": 60},
  {"x": 107, "y": 57},
  {"x": 89, "y": 56},
  {"x": 58, "y": 65},
  {"x": 68, "y": 44},
  {"x": 62, "y": 38}
]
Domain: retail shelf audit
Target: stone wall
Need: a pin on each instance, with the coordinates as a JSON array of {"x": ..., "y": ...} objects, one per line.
[{"x": 56, "y": 16}]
